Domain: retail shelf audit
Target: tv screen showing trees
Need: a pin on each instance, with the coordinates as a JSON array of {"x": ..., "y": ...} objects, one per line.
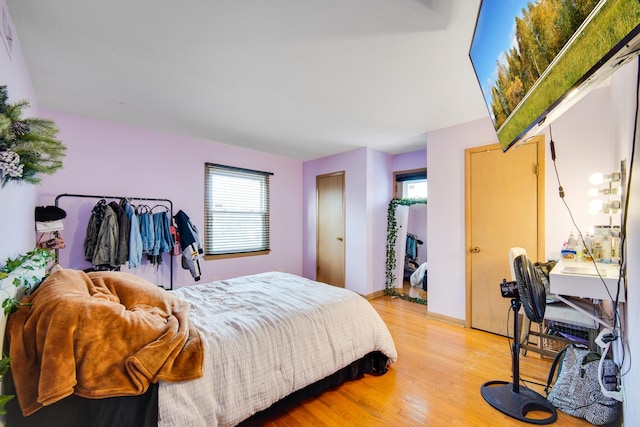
[{"x": 531, "y": 55}]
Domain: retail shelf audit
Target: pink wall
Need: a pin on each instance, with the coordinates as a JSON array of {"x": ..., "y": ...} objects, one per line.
[
  {"x": 368, "y": 190},
  {"x": 380, "y": 189},
  {"x": 446, "y": 213},
  {"x": 353, "y": 163},
  {"x": 409, "y": 161},
  {"x": 17, "y": 201},
  {"x": 367, "y": 193},
  {"x": 106, "y": 158},
  {"x": 418, "y": 213},
  {"x": 582, "y": 130}
]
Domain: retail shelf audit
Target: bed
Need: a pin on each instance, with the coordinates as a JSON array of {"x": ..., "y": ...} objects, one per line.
[{"x": 263, "y": 338}]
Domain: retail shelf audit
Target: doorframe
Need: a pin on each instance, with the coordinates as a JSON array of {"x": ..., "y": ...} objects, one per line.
[
  {"x": 540, "y": 173},
  {"x": 342, "y": 174}
]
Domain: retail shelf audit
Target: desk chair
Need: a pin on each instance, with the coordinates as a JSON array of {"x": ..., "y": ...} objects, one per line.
[{"x": 556, "y": 311}]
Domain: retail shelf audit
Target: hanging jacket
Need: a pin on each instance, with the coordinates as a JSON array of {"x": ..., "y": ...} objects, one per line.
[
  {"x": 93, "y": 228},
  {"x": 146, "y": 232},
  {"x": 190, "y": 244},
  {"x": 135, "y": 240},
  {"x": 105, "y": 254},
  {"x": 123, "y": 233},
  {"x": 163, "y": 239},
  {"x": 411, "y": 247}
]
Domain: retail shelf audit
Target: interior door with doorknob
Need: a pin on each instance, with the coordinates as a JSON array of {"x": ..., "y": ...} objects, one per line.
[
  {"x": 504, "y": 209},
  {"x": 330, "y": 229}
]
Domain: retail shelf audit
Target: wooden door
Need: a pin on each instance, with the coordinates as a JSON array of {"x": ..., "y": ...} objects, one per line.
[
  {"x": 330, "y": 229},
  {"x": 505, "y": 208}
]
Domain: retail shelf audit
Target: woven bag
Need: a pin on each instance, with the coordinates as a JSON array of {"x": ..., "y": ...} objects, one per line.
[{"x": 577, "y": 390}]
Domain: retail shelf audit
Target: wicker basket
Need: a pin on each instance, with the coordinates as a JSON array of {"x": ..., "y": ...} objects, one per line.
[
  {"x": 553, "y": 345},
  {"x": 566, "y": 332}
]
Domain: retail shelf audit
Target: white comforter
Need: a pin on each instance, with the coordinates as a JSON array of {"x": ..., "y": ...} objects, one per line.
[{"x": 266, "y": 336}]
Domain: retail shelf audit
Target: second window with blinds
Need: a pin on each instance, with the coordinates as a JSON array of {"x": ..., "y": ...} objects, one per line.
[{"x": 236, "y": 212}]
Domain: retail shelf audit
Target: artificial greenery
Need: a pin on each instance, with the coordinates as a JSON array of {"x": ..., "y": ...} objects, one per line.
[
  {"x": 392, "y": 232},
  {"x": 32, "y": 261},
  {"x": 4, "y": 398},
  {"x": 28, "y": 147}
]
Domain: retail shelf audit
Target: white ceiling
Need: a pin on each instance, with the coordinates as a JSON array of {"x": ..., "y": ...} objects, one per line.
[{"x": 297, "y": 78}]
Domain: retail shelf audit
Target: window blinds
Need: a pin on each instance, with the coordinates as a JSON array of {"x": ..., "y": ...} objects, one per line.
[{"x": 237, "y": 210}]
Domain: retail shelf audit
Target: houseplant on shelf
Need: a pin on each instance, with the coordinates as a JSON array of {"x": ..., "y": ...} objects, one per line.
[{"x": 28, "y": 147}]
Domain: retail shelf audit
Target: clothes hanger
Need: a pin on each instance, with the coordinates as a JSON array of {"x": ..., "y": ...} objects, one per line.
[{"x": 160, "y": 206}]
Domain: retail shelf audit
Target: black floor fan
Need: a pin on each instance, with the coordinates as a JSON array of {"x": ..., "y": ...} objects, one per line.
[{"x": 527, "y": 292}]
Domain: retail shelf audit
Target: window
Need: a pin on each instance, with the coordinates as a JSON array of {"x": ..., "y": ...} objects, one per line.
[
  {"x": 236, "y": 211},
  {"x": 416, "y": 189},
  {"x": 411, "y": 184}
]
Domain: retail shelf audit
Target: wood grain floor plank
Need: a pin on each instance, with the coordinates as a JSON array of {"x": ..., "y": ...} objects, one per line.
[{"x": 435, "y": 382}]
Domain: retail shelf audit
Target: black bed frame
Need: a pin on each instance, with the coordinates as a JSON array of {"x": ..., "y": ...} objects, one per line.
[{"x": 142, "y": 410}]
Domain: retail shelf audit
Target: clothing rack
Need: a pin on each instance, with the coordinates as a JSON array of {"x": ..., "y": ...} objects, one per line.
[{"x": 147, "y": 199}]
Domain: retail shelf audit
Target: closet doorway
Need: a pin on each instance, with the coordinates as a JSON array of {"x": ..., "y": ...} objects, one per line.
[{"x": 330, "y": 251}]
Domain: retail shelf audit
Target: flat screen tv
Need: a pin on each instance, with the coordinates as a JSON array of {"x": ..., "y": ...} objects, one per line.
[{"x": 536, "y": 58}]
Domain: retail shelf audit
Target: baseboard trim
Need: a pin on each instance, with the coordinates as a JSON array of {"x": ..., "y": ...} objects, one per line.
[
  {"x": 376, "y": 294},
  {"x": 443, "y": 318}
]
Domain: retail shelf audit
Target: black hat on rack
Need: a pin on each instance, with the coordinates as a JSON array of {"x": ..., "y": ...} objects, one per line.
[{"x": 49, "y": 213}]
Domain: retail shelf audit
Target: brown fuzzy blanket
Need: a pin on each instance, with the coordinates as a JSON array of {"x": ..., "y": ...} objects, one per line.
[{"x": 101, "y": 334}]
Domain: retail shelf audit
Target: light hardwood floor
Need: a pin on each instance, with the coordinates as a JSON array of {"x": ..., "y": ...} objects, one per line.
[
  {"x": 412, "y": 291},
  {"x": 435, "y": 382}
]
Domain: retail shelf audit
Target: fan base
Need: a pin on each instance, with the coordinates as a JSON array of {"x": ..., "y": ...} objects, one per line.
[{"x": 501, "y": 396}]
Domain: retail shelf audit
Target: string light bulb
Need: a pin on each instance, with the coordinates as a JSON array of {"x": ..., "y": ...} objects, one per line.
[
  {"x": 598, "y": 206},
  {"x": 598, "y": 178},
  {"x": 595, "y": 192}
]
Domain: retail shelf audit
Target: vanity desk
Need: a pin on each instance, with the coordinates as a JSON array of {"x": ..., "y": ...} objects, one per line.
[{"x": 580, "y": 279}]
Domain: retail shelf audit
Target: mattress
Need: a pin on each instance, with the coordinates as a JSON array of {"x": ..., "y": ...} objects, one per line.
[{"x": 267, "y": 336}]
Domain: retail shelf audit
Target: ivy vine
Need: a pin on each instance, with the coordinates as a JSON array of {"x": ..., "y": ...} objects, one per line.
[
  {"x": 34, "y": 261},
  {"x": 392, "y": 233}
]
